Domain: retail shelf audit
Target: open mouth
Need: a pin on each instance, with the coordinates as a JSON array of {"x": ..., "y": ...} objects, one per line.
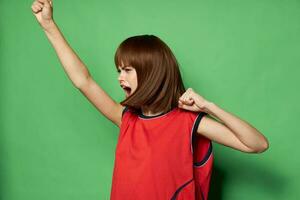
[{"x": 126, "y": 89}]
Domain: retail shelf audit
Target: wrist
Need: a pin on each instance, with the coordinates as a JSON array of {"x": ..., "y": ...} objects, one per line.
[
  {"x": 49, "y": 25},
  {"x": 210, "y": 107}
]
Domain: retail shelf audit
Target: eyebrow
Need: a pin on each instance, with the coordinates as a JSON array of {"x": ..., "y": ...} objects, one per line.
[{"x": 124, "y": 67}]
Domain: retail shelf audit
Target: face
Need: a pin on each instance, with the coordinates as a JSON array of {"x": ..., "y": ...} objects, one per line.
[{"x": 127, "y": 79}]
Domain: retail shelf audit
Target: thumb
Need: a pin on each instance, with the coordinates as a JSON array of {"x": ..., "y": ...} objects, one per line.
[
  {"x": 47, "y": 12},
  {"x": 47, "y": 3}
]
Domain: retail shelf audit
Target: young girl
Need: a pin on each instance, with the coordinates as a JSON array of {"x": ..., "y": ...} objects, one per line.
[{"x": 163, "y": 150}]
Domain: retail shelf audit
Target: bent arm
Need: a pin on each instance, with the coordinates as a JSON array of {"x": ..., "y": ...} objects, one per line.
[{"x": 232, "y": 132}]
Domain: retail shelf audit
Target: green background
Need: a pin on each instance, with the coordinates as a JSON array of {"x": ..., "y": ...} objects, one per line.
[{"x": 242, "y": 55}]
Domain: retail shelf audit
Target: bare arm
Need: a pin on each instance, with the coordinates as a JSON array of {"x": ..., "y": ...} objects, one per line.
[
  {"x": 231, "y": 131},
  {"x": 73, "y": 66},
  {"x": 98, "y": 97}
]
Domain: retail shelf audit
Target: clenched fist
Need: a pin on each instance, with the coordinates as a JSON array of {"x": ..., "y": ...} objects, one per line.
[
  {"x": 43, "y": 11},
  {"x": 192, "y": 101}
]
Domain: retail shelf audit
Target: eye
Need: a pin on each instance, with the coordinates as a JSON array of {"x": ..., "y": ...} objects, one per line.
[
  {"x": 118, "y": 71},
  {"x": 127, "y": 70}
]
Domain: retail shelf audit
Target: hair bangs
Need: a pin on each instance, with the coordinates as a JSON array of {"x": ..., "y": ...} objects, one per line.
[{"x": 127, "y": 54}]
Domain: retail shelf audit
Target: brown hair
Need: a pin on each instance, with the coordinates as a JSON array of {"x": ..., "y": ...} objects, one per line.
[{"x": 158, "y": 76}]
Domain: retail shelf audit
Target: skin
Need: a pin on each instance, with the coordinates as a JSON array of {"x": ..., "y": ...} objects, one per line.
[
  {"x": 228, "y": 129},
  {"x": 127, "y": 76}
]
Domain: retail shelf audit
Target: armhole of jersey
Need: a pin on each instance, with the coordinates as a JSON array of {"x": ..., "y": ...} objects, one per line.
[
  {"x": 197, "y": 122},
  {"x": 203, "y": 141},
  {"x": 202, "y": 159},
  {"x": 124, "y": 110}
]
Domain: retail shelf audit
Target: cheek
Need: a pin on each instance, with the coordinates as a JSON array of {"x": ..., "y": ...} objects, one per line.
[
  {"x": 134, "y": 84},
  {"x": 134, "y": 80}
]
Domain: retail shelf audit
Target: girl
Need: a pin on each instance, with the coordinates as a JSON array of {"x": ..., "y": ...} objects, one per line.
[{"x": 163, "y": 150}]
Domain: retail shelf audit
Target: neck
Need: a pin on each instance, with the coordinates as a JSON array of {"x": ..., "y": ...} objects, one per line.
[{"x": 149, "y": 112}]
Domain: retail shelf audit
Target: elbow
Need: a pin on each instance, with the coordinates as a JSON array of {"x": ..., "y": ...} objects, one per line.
[
  {"x": 265, "y": 145},
  {"x": 80, "y": 83},
  {"x": 262, "y": 148}
]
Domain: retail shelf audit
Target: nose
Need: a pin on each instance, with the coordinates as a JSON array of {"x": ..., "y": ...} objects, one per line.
[{"x": 121, "y": 76}]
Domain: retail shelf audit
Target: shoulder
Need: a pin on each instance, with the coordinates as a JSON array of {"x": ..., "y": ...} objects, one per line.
[
  {"x": 125, "y": 109},
  {"x": 193, "y": 116},
  {"x": 127, "y": 115},
  {"x": 191, "y": 119}
]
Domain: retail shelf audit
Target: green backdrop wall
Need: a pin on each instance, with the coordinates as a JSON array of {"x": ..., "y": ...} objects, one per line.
[{"x": 242, "y": 55}]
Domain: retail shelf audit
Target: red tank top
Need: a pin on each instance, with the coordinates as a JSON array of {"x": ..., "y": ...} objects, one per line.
[{"x": 162, "y": 157}]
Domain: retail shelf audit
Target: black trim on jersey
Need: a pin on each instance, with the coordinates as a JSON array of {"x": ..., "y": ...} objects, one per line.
[
  {"x": 179, "y": 189},
  {"x": 206, "y": 157},
  {"x": 153, "y": 116},
  {"x": 124, "y": 110},
  {"x": 197, "y": 122},
  {"x": 195, "y": 128},
  {"x": 149, "y": 117}
]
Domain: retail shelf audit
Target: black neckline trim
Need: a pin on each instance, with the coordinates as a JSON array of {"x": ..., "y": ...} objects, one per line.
[{"x": 141, "y": 115}]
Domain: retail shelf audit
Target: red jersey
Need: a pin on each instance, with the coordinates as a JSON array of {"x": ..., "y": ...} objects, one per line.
[{"x": 162, "y": 157}]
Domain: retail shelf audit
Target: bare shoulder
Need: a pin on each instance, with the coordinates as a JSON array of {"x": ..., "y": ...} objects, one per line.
[{"x": 119, "y": 113}]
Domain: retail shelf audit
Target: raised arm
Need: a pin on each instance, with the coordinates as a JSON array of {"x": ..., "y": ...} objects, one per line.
[{"x": 73, "y": 66}]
